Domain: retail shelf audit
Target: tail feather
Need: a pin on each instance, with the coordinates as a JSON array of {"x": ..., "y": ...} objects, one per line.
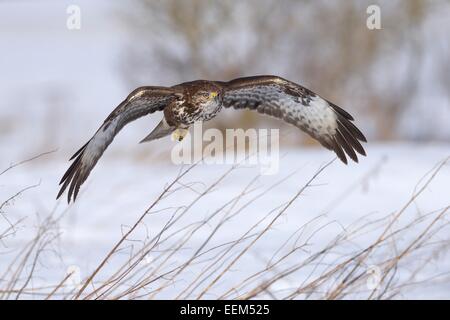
[{"x": 161, "y": 130}]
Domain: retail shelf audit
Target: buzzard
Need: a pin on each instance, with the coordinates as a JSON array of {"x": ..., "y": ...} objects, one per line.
[{"x": 202, "y": 100}]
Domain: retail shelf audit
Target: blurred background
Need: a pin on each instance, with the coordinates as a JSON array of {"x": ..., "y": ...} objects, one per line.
[{"x": 57, "y": 85}]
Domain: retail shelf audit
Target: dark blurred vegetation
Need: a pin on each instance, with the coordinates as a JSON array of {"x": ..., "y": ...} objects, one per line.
[{"x": 323, "y": 45}]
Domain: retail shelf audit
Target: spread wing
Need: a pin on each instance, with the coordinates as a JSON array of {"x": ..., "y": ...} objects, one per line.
[
  {"x": 140, "y": 102},
  {"x": 283, "y": 99}
]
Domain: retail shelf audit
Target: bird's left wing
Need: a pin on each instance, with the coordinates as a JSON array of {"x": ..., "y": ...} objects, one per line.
[
  {"x": 286, "y": 100},
  {"x": 140, "y": 102}
]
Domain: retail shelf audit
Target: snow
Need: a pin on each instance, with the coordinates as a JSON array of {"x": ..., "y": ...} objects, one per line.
[
  {"x": 70, "y": 84},
  {"x": 120, "y": 190}
]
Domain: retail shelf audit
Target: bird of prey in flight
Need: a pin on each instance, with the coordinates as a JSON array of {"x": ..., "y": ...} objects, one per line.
[{"x": 202, "y": 100}]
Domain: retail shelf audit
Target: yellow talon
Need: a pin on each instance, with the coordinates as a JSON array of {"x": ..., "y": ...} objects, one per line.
[
  {"x": 213, "y": 94},
  {"x": 179, "y": 134}
]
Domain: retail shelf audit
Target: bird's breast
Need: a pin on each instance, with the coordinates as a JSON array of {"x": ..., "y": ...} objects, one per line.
[
  {"x": 188, "y": 113},
  {"x": 210, "y": 110}
]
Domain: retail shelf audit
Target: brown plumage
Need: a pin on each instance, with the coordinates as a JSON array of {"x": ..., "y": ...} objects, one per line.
[{"x": 202, "y": 100}]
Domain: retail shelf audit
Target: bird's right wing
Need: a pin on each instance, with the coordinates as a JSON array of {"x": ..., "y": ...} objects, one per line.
[{"x": 140, "y": 102}]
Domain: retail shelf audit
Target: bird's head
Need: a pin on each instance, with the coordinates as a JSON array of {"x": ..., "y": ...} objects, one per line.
[
  {"x": 203, "y": 93},
  {"x": 206, "y": 96}
]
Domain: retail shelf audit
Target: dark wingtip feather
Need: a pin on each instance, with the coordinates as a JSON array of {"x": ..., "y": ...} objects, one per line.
[
  {"x": 338, "y": 150},
  {"x": 348, "y": 149},
  {"x": 71, "y": 178},
  {"x": 353, "y": 141},
  {"x": 347, "y": 137},
  {"x": 353, "y": 130},
  {"x": 72, "y": 186},
  {"x": 60, "y": 193},
  {"x": 70, "y": 171},
  {"x": 341, "y": 112},
  {"x": 79, "y": 151},
  {"x": 346, "y": 118}
]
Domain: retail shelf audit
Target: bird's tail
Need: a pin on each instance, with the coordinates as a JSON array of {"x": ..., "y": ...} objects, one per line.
[{"x": 161, "y": 130}]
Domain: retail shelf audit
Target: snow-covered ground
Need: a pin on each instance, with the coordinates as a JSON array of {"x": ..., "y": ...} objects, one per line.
[{"x": 120, "y": 190}]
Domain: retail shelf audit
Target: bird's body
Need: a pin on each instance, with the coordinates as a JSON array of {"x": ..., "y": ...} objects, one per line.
[{"x": 202, "y": 100}]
